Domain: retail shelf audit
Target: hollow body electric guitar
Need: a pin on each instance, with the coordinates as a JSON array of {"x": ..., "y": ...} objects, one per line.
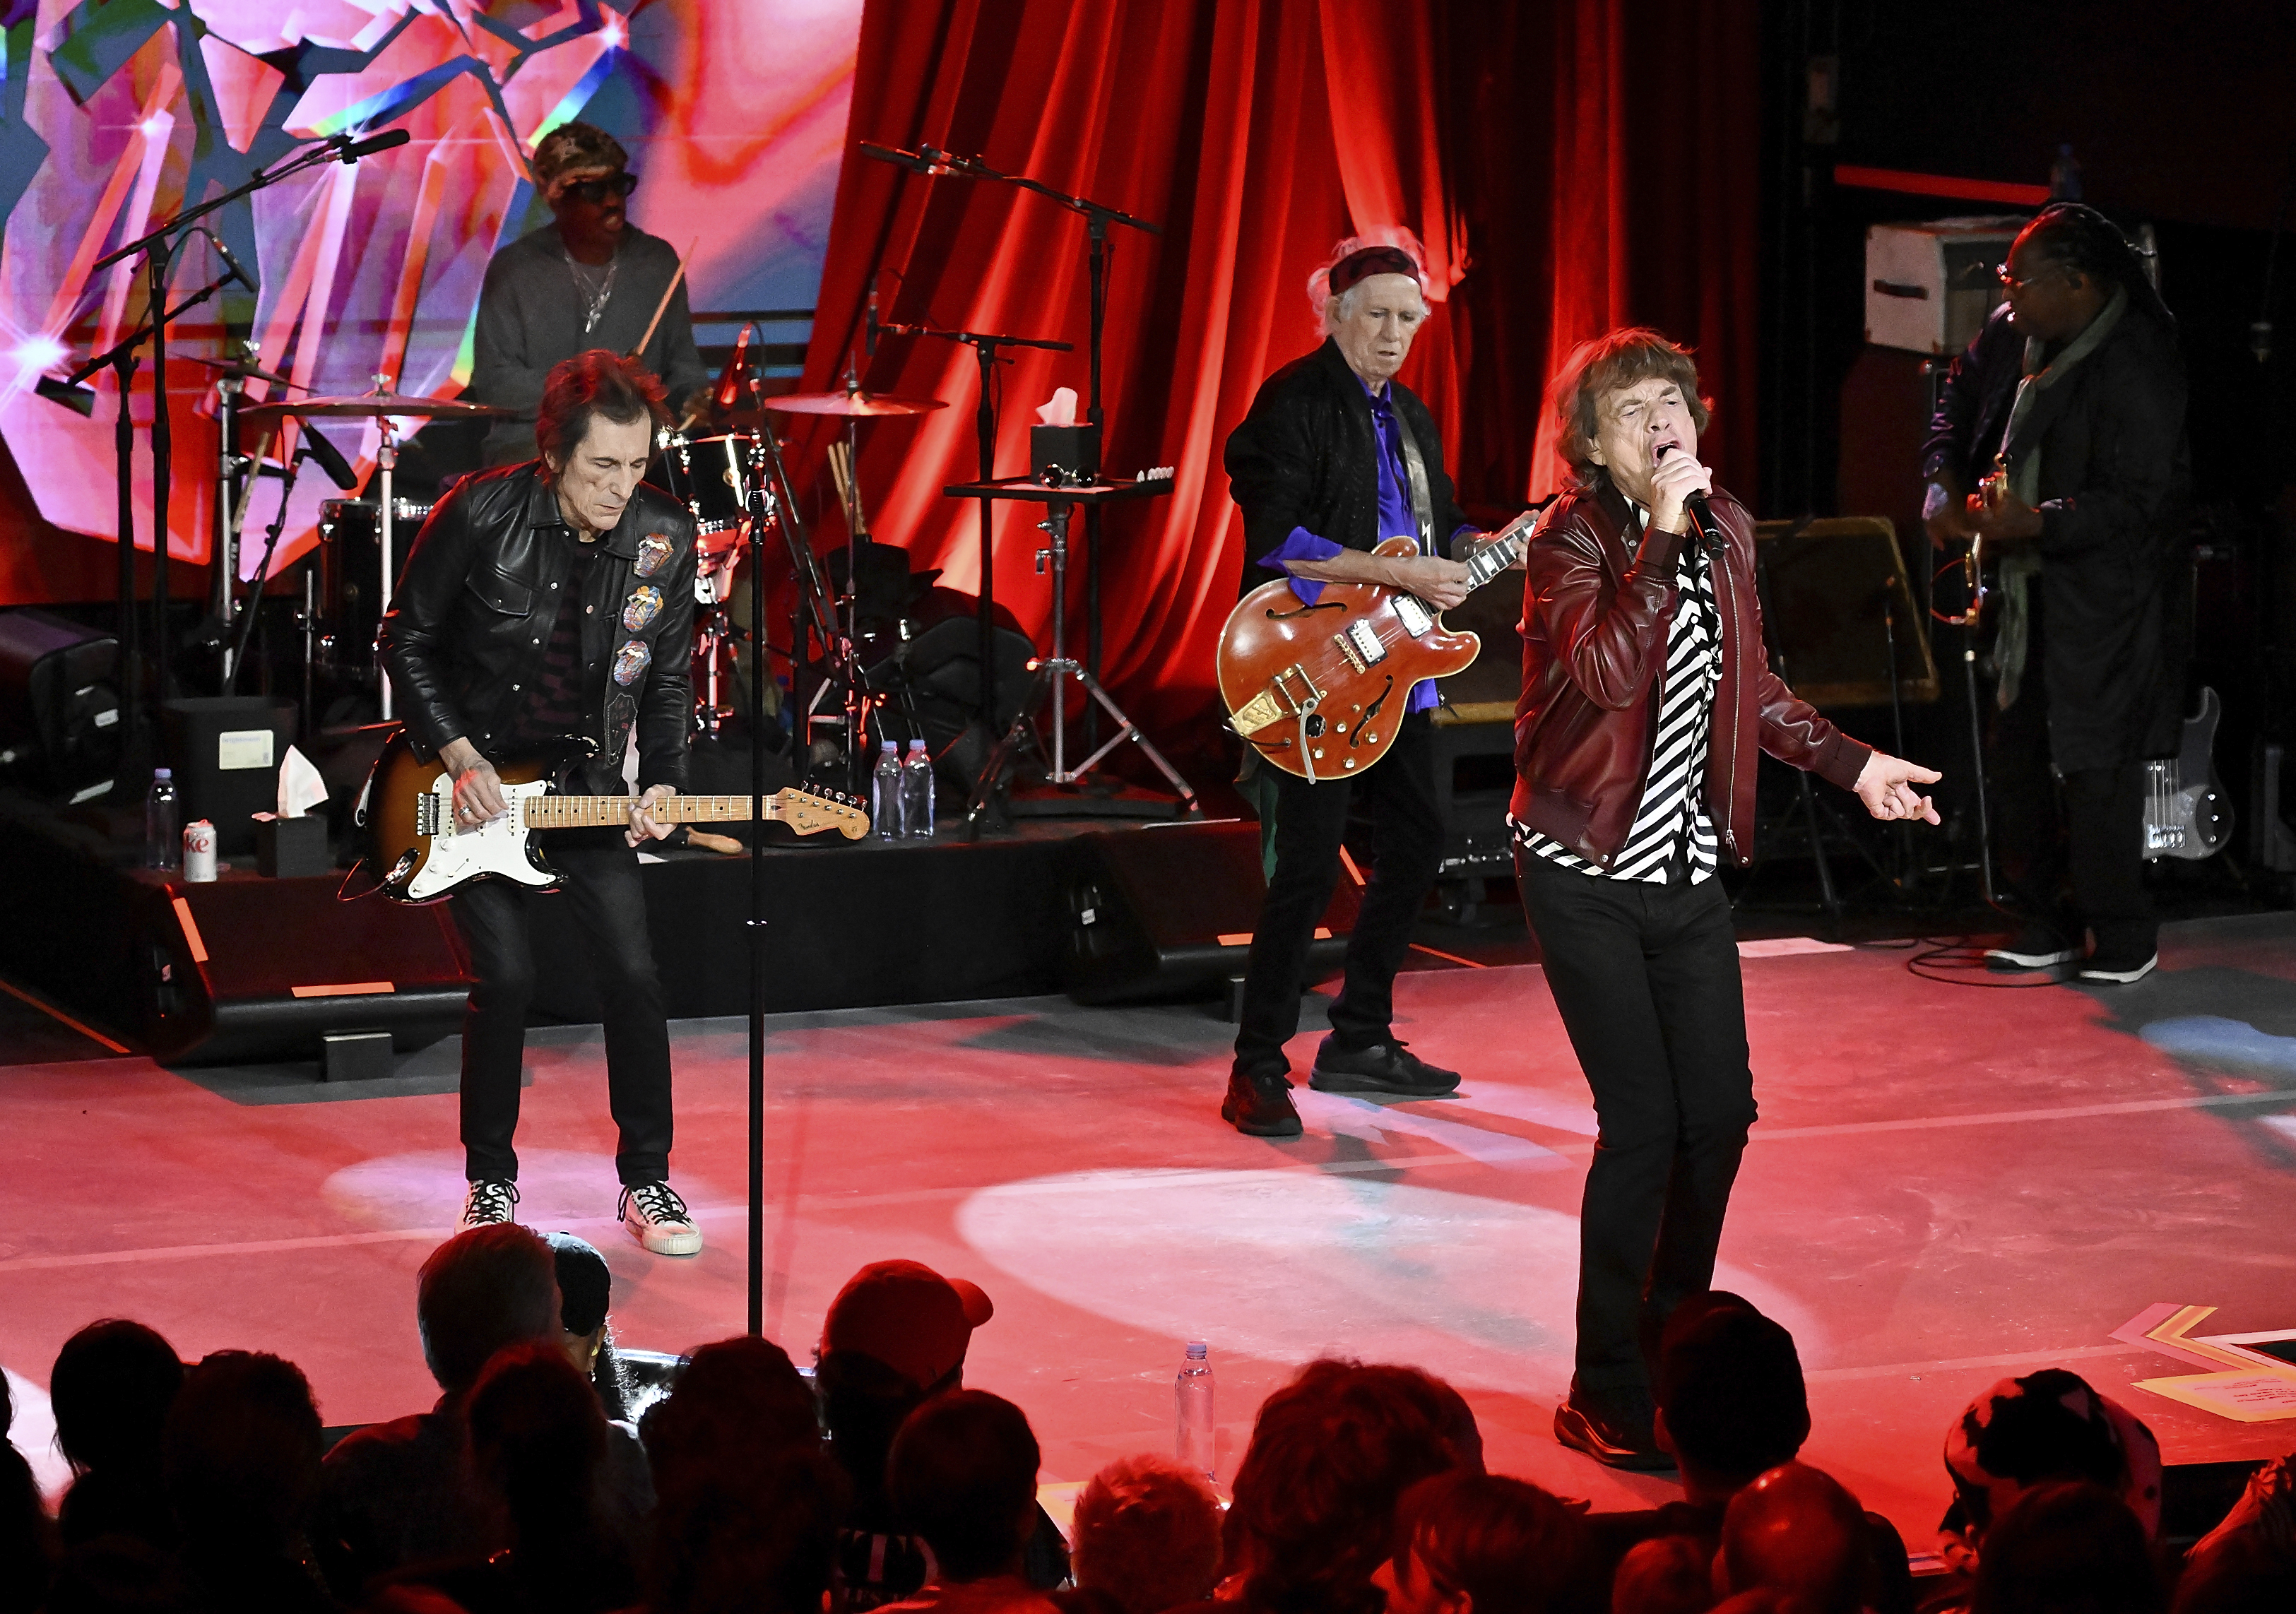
[
  {"x": 422, "y": 854},
  {"x": 1318, "y": 690}
]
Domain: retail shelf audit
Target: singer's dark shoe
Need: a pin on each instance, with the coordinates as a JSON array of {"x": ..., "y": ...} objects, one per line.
[
  {"x": 1261, "y": 1107},
  {"x": 1616, "y": 1436},
  {"x": 1386, "y": 1066}
]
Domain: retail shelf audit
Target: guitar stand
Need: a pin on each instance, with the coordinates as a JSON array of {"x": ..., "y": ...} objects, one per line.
[{"x": 1050, "y": 672}]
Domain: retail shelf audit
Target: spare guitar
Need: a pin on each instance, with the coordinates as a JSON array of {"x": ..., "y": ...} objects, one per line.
[
  {"x": 420, "y": 854},
  {"x": 1318, "y": 690},
  {"x": 2185, "y": 813}
]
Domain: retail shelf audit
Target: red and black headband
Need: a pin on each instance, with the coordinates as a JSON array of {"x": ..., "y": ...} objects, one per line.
[{"x": 1368, "y": 261}]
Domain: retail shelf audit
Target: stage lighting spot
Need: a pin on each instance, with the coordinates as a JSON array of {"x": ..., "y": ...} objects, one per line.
[
  {"x": 555, "y": 1187},
  {"x": 2212, "y": 1040},
  {"x": 33, "y": 1432},
  {"x": 1287, "y": 1266}
]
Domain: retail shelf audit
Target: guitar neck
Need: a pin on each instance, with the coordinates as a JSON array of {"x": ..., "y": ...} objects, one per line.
[
  {"x": 593, "y": 812},
  {"x": 1501, "y": 552}
]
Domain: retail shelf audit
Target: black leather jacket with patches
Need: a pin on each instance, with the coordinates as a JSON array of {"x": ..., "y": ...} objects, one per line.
[{"x": 464, "y": 638}]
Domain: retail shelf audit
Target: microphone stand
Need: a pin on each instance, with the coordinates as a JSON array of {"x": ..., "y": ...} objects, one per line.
[
  {"x": 1097, "y": 216},
  {"x": 985, "y": 347},
  {"x": 158, "y": 247}
]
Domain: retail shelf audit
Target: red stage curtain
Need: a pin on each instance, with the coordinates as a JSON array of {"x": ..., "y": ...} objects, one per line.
[{"x": 1257, "y": 133}]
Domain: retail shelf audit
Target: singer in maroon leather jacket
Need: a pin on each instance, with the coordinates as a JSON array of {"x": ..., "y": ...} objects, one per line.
[
  {"x": 1646, "y": 697},
  {"x": 1594, "y": 625}
]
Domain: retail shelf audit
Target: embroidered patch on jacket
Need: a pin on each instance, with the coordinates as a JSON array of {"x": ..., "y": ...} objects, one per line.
[
  {"x": 641, "y": 608},
  {"x": 630, "y": 660},
  {"x": 654, "y": 552}
]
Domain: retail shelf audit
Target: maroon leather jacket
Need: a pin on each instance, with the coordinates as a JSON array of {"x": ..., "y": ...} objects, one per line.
[{"x": 1594, "y": 623}]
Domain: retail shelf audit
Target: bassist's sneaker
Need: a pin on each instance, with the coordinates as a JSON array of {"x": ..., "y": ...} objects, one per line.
[
  {"x": 658, "y": 1219},
  {"x": 488, "y": 1204},
  {"x": 1387, "y": 1066},
  {"x": 2119, "y": 966},
  {"x": 1260, "y": 1106},
  {"x": 2037, "y": 947}
]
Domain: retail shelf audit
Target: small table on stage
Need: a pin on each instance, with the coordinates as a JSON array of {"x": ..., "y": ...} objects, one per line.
[{"x": 1058, "y": 501}]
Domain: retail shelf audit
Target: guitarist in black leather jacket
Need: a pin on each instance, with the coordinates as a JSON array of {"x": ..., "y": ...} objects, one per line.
[
  {"x": 1334, "y": 456},
  {"x": 543, "y": 601}
]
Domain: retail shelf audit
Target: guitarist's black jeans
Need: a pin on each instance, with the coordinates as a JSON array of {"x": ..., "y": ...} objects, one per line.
[
  {"x": 2071, "y": 848},
  {"x": 604, "y": 900},
  {"x": 1406, "y": 848}
]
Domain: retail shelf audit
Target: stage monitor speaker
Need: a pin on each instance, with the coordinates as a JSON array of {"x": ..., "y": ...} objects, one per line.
[
  {"x": 1166, "y": 911},
  {"x": 57, "y": 690},
  {"x": 1835, "y": 595},
  {"x": 247, "y": 970}
]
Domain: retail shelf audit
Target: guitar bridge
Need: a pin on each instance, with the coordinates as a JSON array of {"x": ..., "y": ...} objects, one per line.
[{"x": 426, "y": 814}]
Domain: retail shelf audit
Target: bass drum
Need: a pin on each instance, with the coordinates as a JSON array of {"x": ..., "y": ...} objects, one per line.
[{"x": 350, "y": 583}]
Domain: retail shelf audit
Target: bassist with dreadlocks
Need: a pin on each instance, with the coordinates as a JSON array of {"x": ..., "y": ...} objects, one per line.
[{"x": 2059, "y": 440}]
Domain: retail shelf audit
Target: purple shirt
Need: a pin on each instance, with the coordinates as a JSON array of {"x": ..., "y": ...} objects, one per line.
[{"x": 1395, "y": 521}]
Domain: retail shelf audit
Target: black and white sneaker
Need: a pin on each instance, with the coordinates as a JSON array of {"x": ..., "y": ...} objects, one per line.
[
  {"x": 2117, "y": 967},
  {"x": 488, "y": 1204},
  {"x": 658, "y": 1219},
  {"x": 2037, "y": 947}
]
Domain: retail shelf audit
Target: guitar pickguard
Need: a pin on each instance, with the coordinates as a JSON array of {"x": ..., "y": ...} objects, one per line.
[{"x": 500, "y": 848}]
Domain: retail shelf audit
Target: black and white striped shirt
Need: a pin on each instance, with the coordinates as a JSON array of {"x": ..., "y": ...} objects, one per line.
[{"x": 1671, "y": 819}]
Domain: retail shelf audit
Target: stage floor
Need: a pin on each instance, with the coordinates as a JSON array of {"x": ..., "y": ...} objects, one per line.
[{"x": 1947, "y": 1184}]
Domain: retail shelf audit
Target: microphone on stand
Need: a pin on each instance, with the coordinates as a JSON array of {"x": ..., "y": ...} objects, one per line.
[
  {"x": 231, "y": 261},
  {"x": 729, "y": 384},
  {"x": 374, "y": 144},
  {"x": 911, "y": 160},
  {"x": 330, "y": 459},
  {"x": 870, "y": 348}
]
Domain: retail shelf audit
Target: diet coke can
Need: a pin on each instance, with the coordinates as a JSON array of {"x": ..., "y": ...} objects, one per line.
[{"x": 199, "y": 851}]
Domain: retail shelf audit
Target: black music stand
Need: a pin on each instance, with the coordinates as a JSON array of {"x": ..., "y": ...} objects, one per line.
[{"x": 1067, "y": 793}]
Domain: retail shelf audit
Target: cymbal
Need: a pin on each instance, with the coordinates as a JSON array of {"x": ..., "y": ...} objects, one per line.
[
  {"x": 245, "y": 370},
  {"x": 864, "y": 404},
  {"x": 370, "y": 404}
]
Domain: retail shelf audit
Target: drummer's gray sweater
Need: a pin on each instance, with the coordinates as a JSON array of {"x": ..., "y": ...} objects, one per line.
[{"x": 531, "y": 317}]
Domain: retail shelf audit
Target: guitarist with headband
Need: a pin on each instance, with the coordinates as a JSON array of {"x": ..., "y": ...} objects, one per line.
[
  {"x": 544, "y": 600},
  {"x": 1334, "y": 456}
]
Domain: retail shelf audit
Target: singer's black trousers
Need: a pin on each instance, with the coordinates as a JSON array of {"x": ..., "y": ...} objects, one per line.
[
  {"x": 1646, "y": 980},
  {"x": 603, "y": 899}
]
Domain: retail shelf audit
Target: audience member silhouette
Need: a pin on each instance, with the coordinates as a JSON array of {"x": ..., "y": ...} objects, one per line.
[
  {"x": 111, "y": 1389},
  {"x": 963, "y": 1476},
  {"x": 1146, "y": 1533},
  {"x": 1795, "y": 1531},
  {"x": 1314, "y": 1512},
  {"x": 1471, "y": 1543},
  {"x": 2066, "y": 1547},
  {"x": 405, "y": 1492},
  {"x": 27, "y": 1538},
  {"x": 585, "y": 1290},
  {"x": 241, "y": 1459},
  {"x": 1664, "y": 1575},
  {"x": 119, "y": 1574},
  {"x": 2247, "y": 1564}
]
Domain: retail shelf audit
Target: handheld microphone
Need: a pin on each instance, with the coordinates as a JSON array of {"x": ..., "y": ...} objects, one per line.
[
  {"x": 231, "y": 261},
  {"x": 869, "y": 346},
  {"x": 374, "y": 144},
  {"x": 330, "y": 459},
  {"x": 1711, "y": 538}
]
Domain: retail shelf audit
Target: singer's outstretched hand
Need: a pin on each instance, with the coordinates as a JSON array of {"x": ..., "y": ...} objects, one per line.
[{"x": 1886, "y": 787}]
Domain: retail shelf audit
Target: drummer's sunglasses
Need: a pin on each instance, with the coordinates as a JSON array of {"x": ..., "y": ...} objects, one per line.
[{"x": 595, "y": 191}]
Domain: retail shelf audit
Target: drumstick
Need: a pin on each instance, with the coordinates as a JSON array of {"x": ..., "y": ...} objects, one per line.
[{"x": 662, "y": 307}]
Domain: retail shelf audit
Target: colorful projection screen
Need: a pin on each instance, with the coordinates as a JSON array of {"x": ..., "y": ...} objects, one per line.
[{"x": 117, "y": 114}]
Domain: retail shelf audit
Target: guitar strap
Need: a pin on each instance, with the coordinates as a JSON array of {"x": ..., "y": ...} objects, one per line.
[{"x": 1422, "y": 501}]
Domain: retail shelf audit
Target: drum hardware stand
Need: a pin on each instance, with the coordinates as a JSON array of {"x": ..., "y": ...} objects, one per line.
[
  {"x": 985, "y": 347},
  {"x": 1051, "y": 671}
]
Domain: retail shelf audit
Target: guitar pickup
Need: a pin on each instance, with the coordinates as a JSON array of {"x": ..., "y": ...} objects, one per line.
[
  {"x": 1412, "y": 612},
  {"x": 1360, "y": 645}
]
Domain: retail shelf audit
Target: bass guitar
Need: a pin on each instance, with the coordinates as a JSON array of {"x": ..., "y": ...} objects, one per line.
[
  {"x": 2185, "y": 813},
  {"x": 1318, "y": 690},
  {"x": 422, "y": 854}
]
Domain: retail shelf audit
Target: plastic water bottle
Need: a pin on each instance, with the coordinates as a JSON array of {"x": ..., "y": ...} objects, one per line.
[
  {"x": 1193, "y": 1393},
  {"x": 885, "y": 791},
  {"x": 917, "y": 793},
  {"x": 163, "y": 831}
]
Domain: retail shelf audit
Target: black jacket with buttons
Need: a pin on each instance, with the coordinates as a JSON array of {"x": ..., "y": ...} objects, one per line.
[{"x": 464, "y": 638}]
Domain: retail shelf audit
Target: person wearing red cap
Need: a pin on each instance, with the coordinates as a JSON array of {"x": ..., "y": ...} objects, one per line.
[
  {"x": 896, "y": 1337},
  {"x": 1335, "y": 456}
]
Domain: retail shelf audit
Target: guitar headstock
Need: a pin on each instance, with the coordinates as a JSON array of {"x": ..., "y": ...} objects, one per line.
[{"x": 809, "y": 812}]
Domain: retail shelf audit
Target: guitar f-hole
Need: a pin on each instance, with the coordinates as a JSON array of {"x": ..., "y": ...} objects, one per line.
[
  {"x": 1371, "y": 711},
  {"x": 1285, "y": 616}
]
